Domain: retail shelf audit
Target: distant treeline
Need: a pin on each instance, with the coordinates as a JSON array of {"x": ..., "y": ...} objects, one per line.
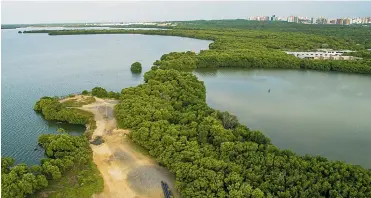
[
  {"x": 257, "y": 48},
  {"x": 359, "y": 33}
]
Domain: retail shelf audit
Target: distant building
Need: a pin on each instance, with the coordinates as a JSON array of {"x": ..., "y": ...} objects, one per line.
[
  {"x": 333, "y": 22},
  {"x": 290, "y": 19},
  {"x": 296, "y": 19},
  {"x": 321, "y": 20},
  {"x": 312, "y": 20},
  {"x": 274, "y": 18},
  {"x": 346, "y": 22},
  {"x": 324, "y": 54},
  {"x": 339, "y": 21}
]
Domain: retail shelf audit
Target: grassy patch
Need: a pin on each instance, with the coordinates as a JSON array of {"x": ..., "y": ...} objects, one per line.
[{"x": 73, "y": 102}]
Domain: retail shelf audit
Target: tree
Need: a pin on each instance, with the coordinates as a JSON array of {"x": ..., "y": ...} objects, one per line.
[
  {"x": 85, "y": 92},
  {"x": 61, "y": 130},
  {"x": 99, "y": 92},
  {"x": 136, "y": 67}
]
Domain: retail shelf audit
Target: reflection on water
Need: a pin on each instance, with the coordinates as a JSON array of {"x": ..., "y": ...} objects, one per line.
[{"x": 320, "y": 113}]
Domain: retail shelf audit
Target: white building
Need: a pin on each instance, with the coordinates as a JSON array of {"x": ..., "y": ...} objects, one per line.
[{"x": 324, "y": 54}]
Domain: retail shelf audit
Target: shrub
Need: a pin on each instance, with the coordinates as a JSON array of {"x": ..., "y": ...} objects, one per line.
[{"x": 136, "y": 67}]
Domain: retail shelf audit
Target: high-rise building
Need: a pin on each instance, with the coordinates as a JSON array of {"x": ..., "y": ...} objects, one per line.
[
  {"x": 312, "y": 20},
  {"x": 274, "y": 18},
  {"x": 290, "y": 19},
  {"x": 364, "y": 20},
  {"x": 321, "y": 20},
  {"x": 296, "y": 19},
  {"x": 346, "y": 22},
  {"x": 339, "y": 21}
]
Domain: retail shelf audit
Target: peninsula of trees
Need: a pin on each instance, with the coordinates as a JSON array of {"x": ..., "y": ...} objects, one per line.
[
  {"x": 213, "y": 155},
  {"x": 67, "y": 157}
]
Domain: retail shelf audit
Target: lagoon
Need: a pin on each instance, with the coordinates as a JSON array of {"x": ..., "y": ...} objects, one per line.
[{"x": 309, "y": 112}]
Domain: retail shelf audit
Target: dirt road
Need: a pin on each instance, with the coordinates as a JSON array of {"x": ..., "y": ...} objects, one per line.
[{"x": 127, "y": 172}]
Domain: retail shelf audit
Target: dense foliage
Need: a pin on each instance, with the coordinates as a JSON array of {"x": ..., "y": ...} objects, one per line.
[
  {"x": 357, "y": 33},
  {"x": 20, "y": 181},
  {"x": 64, "y": 153},
  {"x": 136, "y": 67},
  {"x": 52, "y": 109},
  {"x": 103, "y": 93},
  {"x": 212, "y": 155}
]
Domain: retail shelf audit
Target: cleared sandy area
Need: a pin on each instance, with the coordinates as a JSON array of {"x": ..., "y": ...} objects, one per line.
[{"x": 127, "y": 172}]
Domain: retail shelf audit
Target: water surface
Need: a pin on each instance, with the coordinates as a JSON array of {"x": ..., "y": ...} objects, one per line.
[
  {"x": 319, "y": 113},
  {"x": 36, "y": 65}
]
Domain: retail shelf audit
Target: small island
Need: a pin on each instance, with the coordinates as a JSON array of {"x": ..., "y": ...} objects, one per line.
[{"x": 136, "y": 67}]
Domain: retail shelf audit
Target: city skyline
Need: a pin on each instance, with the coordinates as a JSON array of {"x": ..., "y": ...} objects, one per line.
[
  {"x": 14, "y": 12},
  {"x": 314, "y": 20}
]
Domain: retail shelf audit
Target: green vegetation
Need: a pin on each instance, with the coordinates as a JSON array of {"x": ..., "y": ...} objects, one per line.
[
  {"x": 68, "y": 170},
  {"x": 66, "y": 154},
  {"x": 239, "y": 43},
  {"x": 213, "y": 155},
  {"x": 102, "y": 93},
  {"x": 52, "y": 109},
  {"x": 99, "y": 92},
  {"x": 357, "y": 33},
  {"x": 72, "y": 156},
  {"x": 20, "y": 181},
  {"x": 85, "y": 92},
  {"x": 365, "y": 54},
  {"x": 61, "y": 130},
  {"x": 136, "y": 67}
]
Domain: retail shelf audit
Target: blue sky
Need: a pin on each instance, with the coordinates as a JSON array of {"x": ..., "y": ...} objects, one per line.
[{"x": 113, "y": 11}]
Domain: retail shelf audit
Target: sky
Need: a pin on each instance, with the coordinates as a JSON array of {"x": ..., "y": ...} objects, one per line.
[{"x": 17, "y": 12}]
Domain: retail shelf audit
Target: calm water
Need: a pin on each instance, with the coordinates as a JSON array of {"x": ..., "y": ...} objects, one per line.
[
  {"x": 36, "y": 65},
  {"x": 328, "y": 114}
]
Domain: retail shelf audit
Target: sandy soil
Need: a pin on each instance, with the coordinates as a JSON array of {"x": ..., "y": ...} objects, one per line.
[
  {"x": 76, "y": 97},
  {"x": 127, "y": 173}
]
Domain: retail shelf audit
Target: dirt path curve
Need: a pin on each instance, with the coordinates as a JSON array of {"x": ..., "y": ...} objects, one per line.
[{"x": 127, "y": 172}]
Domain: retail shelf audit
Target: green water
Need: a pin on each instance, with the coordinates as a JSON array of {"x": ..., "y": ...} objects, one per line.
[
  {"x": 36, "y": 65},
  {"x": 319, "y": 113}
]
